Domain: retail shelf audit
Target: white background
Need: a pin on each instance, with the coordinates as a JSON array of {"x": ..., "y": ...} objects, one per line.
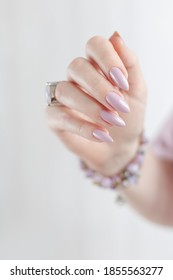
[{"x": 47, "y": 208}]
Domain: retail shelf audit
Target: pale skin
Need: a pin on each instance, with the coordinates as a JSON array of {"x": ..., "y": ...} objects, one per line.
[{"x": 84, "y": 98}]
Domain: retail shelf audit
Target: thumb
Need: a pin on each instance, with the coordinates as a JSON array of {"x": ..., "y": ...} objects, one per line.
[{"x": 128, "y": 58}]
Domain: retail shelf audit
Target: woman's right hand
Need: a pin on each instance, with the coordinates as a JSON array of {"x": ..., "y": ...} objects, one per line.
[{"x": 103, "y": 105}]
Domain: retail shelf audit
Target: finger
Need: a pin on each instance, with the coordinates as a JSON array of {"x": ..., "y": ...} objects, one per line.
[
  {"x": 129, "y": 60},
  {"x": 82, "y": 72},
  {"x": 63, "y": 119},
  {"x": 74, "y": 98},
  {"x": 100, "y": 50}
]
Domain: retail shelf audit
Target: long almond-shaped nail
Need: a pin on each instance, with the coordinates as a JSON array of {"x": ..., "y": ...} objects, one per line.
[
  {"x": 119, "y": 78},
  {"x": 117, "y": 102},
  {"x": 102, "y": 136},
  {"x": 112, "y": 118}
]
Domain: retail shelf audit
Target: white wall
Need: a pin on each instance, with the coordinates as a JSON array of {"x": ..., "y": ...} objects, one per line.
[{"x": 47, "y": 208}]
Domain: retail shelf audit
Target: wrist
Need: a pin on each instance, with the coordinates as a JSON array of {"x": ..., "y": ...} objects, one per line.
[{"x": 125, "y": 176}]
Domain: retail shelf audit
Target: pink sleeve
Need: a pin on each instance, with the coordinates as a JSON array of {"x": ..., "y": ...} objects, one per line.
[{"x": 163, "y": 143}]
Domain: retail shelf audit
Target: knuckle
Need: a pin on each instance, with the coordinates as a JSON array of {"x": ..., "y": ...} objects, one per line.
[
  {"x": 57, "y": 118},
  {"x": 76, "y": 64},
  {"x": 95, "y": 41},
  {"x": 81, "y": 128},
  {"x": 60, "y": 88},
  {"x": 49, "y": 119},
  {"x": 96, "y": 86},
  {"x": 99, "y": 87},
  {"x": 63, "y": 119}
]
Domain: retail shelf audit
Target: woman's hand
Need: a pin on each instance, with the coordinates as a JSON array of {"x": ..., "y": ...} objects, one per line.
[{"x": 103, "y": 105}]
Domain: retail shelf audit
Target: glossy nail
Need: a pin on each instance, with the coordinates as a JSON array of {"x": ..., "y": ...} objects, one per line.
[
  {"x": 119, "y": 78},
  {"x": 117, "y": 102},
  {"x": 112, "y": 118},
  {"x": 102, "y": 135}
]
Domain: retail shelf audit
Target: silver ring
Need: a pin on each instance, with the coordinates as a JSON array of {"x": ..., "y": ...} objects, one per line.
[{"x": 50, "y": 93}]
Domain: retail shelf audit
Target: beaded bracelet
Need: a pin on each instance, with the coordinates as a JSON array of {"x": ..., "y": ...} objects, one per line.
[{"x": 127, "y": 177}]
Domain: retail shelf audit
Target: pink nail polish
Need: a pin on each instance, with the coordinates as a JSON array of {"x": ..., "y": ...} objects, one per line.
[
  {"x": 112, "y": 118},
  {"x": 119, "y": 78},
  {"x": 117, "y": 102},
  {"x": 102, "y": 136}
]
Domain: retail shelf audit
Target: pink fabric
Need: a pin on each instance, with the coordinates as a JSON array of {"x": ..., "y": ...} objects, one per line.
[{"x": 163, "y": 143}]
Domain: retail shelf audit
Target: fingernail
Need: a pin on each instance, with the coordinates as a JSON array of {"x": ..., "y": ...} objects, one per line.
[
  {"x": 119, "y": 36},
  {"x": 116, "y": 101},
  {"x": 102, "y": 135},
  {"x": 112, "y": 118},
  {"x": 119, "y": 78}
]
